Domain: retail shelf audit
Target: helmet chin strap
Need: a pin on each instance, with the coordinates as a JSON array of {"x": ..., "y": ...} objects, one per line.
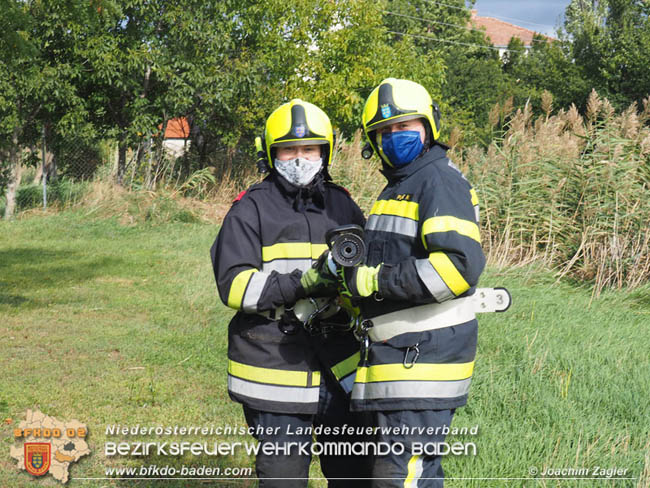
[{"x": 380, "y": 151}]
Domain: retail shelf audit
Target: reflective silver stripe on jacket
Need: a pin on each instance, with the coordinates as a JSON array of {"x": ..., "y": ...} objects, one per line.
[
  {"x": 410, "y": 389},
  {"x": 394, "y": 224},
  {"x": 286, "y": 265},
  {"x": 254, "y": 291},
  {"x": 432, "y": 280},
  {"x": 424, "y": 317},
  {"x": 286, "y": 394}
]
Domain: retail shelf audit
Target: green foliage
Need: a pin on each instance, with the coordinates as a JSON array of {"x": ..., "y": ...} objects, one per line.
[
  {"x": 164, "y": 208},
  {"x": 609, "y": 42},
  {"x": 471, "y": 96},
  {"x": 548, "y": 66},
  {"x": 14, "y": 26},
  {"x": 120, "y": 69},
  {"x": 440, "y": 33},
  {"x": 60, "y": 193},
  {"x": 199, "y": 183}
]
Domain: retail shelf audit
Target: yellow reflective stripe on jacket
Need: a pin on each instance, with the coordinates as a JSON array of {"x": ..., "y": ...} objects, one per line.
[
  {"x": 472, "y": 192},
  {"x": 448, "y": 223},
  {"x": 418, "y": 372},
  {"x": 448, "y": 272},
  {"x": 238, "y": 288},
  {"x": 346, "y": 366},
  {"x": 400, "y": 208},
  {"x": 292, "y": 250},
  {"x": 273, "y": 376}
]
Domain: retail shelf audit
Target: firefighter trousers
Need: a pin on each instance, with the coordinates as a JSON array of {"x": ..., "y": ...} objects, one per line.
[
  {"x": 415, "y": 466},
  {"x": 292, "y": 470}
]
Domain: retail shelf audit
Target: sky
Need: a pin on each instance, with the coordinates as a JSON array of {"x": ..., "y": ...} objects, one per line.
[{"x": 539, "y": 15}]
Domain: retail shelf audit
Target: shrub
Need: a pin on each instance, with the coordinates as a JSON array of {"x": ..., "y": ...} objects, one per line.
[{"x": 62, "y": 192}]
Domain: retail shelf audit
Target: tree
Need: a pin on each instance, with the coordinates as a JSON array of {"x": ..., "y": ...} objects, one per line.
[
  {"x": 548, "y": 66},
  {"x": 33, "y": 83},
  {"x": 610, "y": 43},
  {"x": 329, "y": 53}
]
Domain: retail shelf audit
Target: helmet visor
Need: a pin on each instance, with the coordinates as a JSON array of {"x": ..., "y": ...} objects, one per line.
[
  {"x": 300, "y": 142},
  {"x": 394, "y": 120}
]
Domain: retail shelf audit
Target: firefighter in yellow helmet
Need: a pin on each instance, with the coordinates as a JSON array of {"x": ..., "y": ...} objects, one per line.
[
  {"x": 288, "y": 377},
  {"x": 423, "y": 255}
]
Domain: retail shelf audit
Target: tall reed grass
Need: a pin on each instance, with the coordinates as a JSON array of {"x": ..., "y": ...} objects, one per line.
[
  {"x": 361, "y": 177},
  {"x": 568, "y": 190}
]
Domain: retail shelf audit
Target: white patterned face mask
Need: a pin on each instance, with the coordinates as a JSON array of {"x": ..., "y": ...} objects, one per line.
[{"x": 298, "y": 171}]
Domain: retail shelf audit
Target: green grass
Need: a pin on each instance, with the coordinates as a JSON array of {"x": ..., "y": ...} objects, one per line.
[
  {"x": 114, "y": 324},
  {"x": 561, "y": 381}
]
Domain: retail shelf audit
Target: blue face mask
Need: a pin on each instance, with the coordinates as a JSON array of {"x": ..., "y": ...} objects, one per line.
[{"x": 401, "y": 147}]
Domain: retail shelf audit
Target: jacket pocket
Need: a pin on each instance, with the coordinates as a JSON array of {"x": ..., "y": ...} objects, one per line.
[{"x": 255, "y": 328}]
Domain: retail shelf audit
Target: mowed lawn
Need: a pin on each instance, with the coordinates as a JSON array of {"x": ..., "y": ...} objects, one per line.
[{"x": 115, "y": 324}]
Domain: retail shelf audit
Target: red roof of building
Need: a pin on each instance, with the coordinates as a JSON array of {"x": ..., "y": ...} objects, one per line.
[
  {"x": 501, "y": 32},
  {"x": 178, "y": 128}
]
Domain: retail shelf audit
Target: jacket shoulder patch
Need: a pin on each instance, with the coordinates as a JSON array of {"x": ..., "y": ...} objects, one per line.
[{"x": 257, "y": 186}]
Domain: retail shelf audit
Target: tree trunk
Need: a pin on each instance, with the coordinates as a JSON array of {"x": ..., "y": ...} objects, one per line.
[
  {"x": 50, "y": 161},
  {"x": 121, "y": 158},
  {"x": 15, "y": 174},
  {"x": 50, "y": 155},
  {"x": 147, "y": 179},
  {"x": 53, "y": 168}
]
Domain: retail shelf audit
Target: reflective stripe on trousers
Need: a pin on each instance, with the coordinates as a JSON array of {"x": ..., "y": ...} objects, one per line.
[
  {"x": 345, "y": 371},
  {"x": 409, "y": 469}
]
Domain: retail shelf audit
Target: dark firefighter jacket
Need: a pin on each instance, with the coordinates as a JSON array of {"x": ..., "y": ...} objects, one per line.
[
  {"x": 424, "y": 229},
  {"x": 272, "y": 233}
]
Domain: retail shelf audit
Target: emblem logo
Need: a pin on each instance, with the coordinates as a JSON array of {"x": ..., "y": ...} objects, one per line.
[
  {"x": 37, "y": 457},
  {"x": 46, "y": 445},
  {"x": 299, "y": 131},
  {"x": 385, "y": 111}
]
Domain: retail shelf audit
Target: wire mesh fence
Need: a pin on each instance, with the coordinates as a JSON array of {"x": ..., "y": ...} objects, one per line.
[
  {"x": 54, "y": 159},
  {"x": 49, "y": 166}
]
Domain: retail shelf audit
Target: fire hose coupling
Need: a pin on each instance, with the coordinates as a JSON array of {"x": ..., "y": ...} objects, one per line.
[{"x": 346, "y": 245}]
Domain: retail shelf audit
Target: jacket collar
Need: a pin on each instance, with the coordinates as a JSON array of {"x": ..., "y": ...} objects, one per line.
[
  {"x": 301, "y": 197},
  {"x": 438, "y": 151}
]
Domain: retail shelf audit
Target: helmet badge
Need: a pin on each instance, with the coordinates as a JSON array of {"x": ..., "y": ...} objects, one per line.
[
  {"x": 299, "y": 130},
  {"x": 385, "y": 110}
]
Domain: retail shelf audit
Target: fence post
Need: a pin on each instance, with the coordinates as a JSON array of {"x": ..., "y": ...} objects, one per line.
[{"x": 44, "y": 174}]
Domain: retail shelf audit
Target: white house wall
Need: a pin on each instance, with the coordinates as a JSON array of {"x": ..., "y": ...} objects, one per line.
[{"x": 176, "y": 147}]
